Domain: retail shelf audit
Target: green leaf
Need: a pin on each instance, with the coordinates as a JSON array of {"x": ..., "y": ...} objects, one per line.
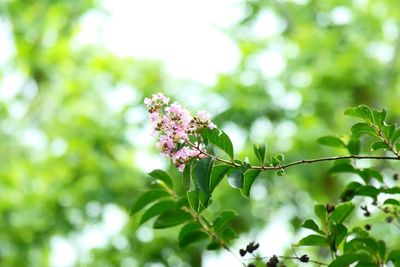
[
  {"x": 162, "y": 176},
  {"x": 362, "y": 111},
  {"x": 260, "y": 152},
  {"x": 213, "y": 246},
  {"x": 187, "y": 176},
  {"x": 157, "y": 209},
  {"x": 312, "y": 240},
  {"x": 340, "y": 232},
  {"x": 204, "y": 200},
  {"x": 312, "y": 225},
  {"x": 193, "y": 199},
  {"x": 363, "y": 128},
  {"x": 249, "y": 178},
  {"x": 202, "y": 174},
  {"x": 147, "y": 198},
  {"x": 331, "y": 141},
  {"x": 388, "y": 130},
  {"x": 379, "y": 116},
  {"x": 220, "y": 139},
  {"x": 280, "y": 172},
  {"x": 346, "y": 259},
  {"x": 394, "y": 256},
  {"x": 379, "y": 145},
  {"x": 367, "y": 190},
  {"x": 223, "y": 219},
  {"x": 353, "y": 146},
  {"x": 321, "y": 213},
  {"x": 191, "y": 233},
  {"x": 395, "y": 136},
  {"x": 391, "y": 190},
  {"x": 342, "y": 167},
  {"x": 391, "y": 201},
  {"x": 171, "y": 218},
  {"x": 277, "y": 159},
  {"x": 217, "y": 174},
  {"x": 374, "y": 173},
  {"x": 236, "y": 179},
  {"x": 381, "y": 249},
  {"x": 341, "y": 212},
  {"x": 229, "y": 234}
]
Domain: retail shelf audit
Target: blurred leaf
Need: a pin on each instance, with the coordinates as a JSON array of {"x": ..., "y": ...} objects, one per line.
[
  {"x": 162, "y": 176},
  {"x": 331, "y": 141},
  {"x": 157, "y": 209},
  {"x": 223, "y": 219},
  {"x": 391, "y": 201},
  {"x": 361, "y": 128},
  {"x": 341, "y": 212},
  {"x": 379, "y": 145},
  {"x": 191, "y": 233},
  {"x": 147, "y": 198},
  {"x": 346, "y": 259},
  {"x": 310, "y": 224},
  {"x": 260, "y": 152},
  {"x": 321, "y": 213},
  {"x": 171, "y": 218},
  {"x": 312, "y": 240},
  {"x": 342, "y": 167}
]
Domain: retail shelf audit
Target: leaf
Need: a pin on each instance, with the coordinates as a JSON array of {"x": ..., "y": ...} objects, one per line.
[
  {"x": 391, "y": 201},
  {"x": 229, "y": 234},
  {"x": 187, "y": 176},
  {"x": 388, "y": 130},
  {"x": 213, "y": 246},
  {"x": 280, "y": 172},
  {"x": 190, "y": 233},
  {"x": 341, "y": 212},
  {"x": 379, "y": 145},
  {"x": 217, "y": 174},
  {"x": 391, "y": 190},
  {"x": 340, "y": 232},
  {"x": 363, "y": 128},
  {"x": 342, "y": 167},
  {"x": 260, "y": 152},
  {"x": 379, "y": 116},
  {"x": 193, "y": 199},
  {"x": 353, "y": 146},
  {"x": 171, "y": 218},
  {"x": 362, "y": 111},
  {"x": 310, "y": 224},
  {"x": 374, "y": 173},
  {"x": 367, "y": 190},
  {"x": 249, "y": 178},
  {"x": 394, "y": 256},
  {"x": 312, "y": 240},
  {"x": 277, "y": 159},
  {"x": 346, "y": 259},
  {"x": 146, "y": 199},
  {"x": 157, "y": 209},
  {"x": 395, "y": 136},
  {"x": 321, "y": 213},
  {"x": 220, "y": 139},
  {"x": 236, "y": 178},
  {"x": 381, "y": 249},
  {"x": 161, "y": 175},
  {"x": 331, "y": 141},
  {"x": 202, "y": 173},
  {"x": 223, "y": 219},
  {"x": 204, "y": 200}
]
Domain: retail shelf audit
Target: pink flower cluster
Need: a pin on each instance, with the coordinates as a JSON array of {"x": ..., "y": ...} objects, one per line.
[{"x": 175, "y": 124}]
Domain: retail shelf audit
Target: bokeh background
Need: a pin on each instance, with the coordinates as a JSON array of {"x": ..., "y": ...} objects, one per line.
[{"x": 75, "y": 143}]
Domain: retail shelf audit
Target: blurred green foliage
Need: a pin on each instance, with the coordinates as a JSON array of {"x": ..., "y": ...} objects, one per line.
[{"x": 67, "y": 153}]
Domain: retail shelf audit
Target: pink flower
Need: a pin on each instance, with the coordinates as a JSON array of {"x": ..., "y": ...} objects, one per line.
[{"x": 175, "y": 125}]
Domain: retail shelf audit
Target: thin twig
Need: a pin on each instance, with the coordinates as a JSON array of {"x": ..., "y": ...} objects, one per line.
[{"x": 299, "y": 162}]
